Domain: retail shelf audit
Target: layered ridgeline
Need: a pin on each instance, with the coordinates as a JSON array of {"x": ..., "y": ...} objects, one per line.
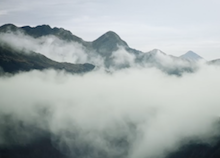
[
  {"x": 13, "y": 61},
  {"x": 108, "y": 51},
  {"x": 15, "y": 56}
]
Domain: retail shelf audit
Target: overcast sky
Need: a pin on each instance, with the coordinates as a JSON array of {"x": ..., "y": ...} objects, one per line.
[{"x": 174, "y": 26}]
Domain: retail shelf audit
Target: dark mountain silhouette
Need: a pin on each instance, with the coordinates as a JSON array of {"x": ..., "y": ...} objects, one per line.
[
  {"x": 42, "y": 30},
  {"x": 13, "y": 61},
  {"x": 198, "y": 150},
  {"x": 41, "y": 148},
  {"x": 108, "y": 43}
]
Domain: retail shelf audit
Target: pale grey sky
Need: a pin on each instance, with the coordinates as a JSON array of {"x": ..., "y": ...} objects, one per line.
[{"x": 174, "y": 26}]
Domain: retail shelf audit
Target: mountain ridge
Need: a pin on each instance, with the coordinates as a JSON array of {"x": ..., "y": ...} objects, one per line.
[
  {"x": 112, "y": 49},
  {"x": 108, "y": 42},
  {"x": 13, "y": 61},
  {"x": 104, "y": 44}
]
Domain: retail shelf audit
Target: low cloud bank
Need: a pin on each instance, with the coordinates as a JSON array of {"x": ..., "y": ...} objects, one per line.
[{"x": 135, "y": 113}]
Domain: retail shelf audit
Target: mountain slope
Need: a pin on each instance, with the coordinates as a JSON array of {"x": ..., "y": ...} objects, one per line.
[
  {"x": 169, "y": 64},
  {"x": 191, "y": 56},
  {"x": 13, "y": 61},
  {"x": 42, "y": 30},
  {"x": 214, "y": 62},
  {"x": 104, "y": 46},
  {"x": 197, "y": 150},
  {"x": 108, "y": 43}
]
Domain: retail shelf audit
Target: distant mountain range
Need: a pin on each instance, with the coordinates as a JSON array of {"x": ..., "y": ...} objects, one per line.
[{"x": 110, "y": 48}]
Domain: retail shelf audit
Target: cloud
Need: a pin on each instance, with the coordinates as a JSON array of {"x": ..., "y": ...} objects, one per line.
[
  {"x": 74, "y": 52},
  {"x": 135, "y": 112},
  {"x": 129, "y": 113},
  {"x": 122, "y": 58},
  {"x": 52, "y": 47}
]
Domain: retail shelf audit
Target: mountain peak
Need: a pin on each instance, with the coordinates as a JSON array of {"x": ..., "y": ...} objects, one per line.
[
  {"x": 111, "y": 34},
  {"x": 191, "y": 52},
  {"x": 156, "y": 51},
  {"x": 8, "y": 27},
  {"x": 191, "y": 56},
  {"x": 112, "y": 37},
  {"x": 108, "y": 42}
]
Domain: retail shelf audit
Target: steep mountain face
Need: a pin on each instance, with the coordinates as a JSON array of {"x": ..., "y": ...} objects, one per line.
[
  {"x": 13, "y": 61},
  {"x": 108, "y": 43},
  {"x": 110, "y": 46},
  {"x": 191, "y": 56}
]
